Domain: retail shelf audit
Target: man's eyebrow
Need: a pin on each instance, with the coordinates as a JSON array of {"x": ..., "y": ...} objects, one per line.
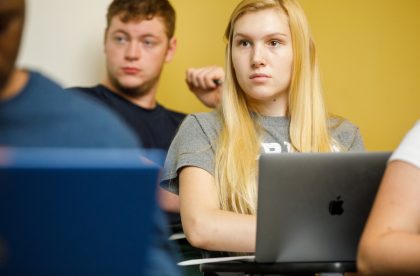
[
  {"x": 120, "y": 31},
  {"x": 149, "y": 34},
  {"x": 128, "y": 34}
]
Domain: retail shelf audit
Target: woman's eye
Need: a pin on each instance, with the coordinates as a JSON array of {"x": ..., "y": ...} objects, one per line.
[
  {"x": 274, "y": 43},
  {"x": 244, "y": 43}
]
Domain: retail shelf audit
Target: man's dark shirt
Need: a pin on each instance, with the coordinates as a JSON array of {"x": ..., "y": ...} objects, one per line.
[{"x": 154, "y": 127}]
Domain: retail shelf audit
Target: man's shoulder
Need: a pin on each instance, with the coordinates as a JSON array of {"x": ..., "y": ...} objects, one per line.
[
  {"x": 97, "y": 90},
  {"x": 178, "y": 116},
  {"x": 102, "y": 95},
  {"x": 38, "y": 82},
  {"x": 90, "y": 111},
  {"x": 68, "y": 119},
  {"x": 42, "y": 90}
]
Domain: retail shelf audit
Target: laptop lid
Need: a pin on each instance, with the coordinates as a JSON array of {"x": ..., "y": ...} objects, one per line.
[
  {"x": 312, "y": 207},
  {"x": 75, "y": 212}
]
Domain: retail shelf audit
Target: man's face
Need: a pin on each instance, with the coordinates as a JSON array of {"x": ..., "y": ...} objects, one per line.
[
  {"x": 11, "y": 26},
  {"x": 135, "y": 53}
]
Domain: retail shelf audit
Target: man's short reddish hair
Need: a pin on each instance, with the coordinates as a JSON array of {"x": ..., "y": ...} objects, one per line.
[{"x": 129, "y": 10}]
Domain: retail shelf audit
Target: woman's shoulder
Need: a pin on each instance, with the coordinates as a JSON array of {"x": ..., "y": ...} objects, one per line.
[
  {"x": 345, "y": 132},
  {"x": 206, "y": 117},
  {"x": 206, "y": 120},
  {"x": 206, "y": 123},
  {"x": 338, "y": 123}
]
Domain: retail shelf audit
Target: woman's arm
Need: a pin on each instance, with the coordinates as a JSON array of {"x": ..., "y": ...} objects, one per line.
[
  {"x": 205, "y": 225},
  {"x": 390, "y": 243}
]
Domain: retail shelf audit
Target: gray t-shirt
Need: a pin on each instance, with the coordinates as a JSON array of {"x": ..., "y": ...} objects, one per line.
[{"x": 194, "y": 144}]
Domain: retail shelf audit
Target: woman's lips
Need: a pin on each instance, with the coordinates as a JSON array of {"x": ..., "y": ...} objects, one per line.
[{"x": 259, "y": 77}]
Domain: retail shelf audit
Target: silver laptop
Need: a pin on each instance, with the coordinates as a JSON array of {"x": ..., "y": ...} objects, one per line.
[{"x": 312, "y": 207}]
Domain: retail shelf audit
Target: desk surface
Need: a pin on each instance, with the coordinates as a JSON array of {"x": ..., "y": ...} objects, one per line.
[{"x": 278, "y": 268}]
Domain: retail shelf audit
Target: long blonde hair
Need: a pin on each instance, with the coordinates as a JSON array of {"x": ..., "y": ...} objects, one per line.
[{"x": 239, "y": 141}]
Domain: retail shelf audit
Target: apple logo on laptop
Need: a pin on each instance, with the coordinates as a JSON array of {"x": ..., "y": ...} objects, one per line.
[{"x": 336, "y": 206}]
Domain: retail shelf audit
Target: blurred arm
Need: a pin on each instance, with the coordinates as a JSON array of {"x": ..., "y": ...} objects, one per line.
[{"x": 390, "y": 243}]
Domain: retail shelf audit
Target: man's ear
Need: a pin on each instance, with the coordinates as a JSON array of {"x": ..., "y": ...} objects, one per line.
[{"x": 170, "y": 52}]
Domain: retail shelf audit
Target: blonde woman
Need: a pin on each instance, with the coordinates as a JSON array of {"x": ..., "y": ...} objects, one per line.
[{"x": 271, "y": 102}]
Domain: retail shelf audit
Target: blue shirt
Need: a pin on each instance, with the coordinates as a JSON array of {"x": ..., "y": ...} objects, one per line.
[{"x": 44, "y": 115}]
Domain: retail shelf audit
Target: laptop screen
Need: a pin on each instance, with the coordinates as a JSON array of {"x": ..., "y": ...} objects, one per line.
[
  {"x": 312, "y": 207},
  {"x": 75, "y": 212}
]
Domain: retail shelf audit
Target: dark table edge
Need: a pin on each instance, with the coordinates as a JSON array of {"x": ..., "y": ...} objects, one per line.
[{"x": 289, "y": 268}]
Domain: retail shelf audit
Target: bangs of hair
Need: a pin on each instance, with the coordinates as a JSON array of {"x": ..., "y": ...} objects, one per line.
[{"x": 247, "y": 7}]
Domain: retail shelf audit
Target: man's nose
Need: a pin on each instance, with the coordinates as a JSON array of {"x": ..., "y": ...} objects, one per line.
[{"x": 132, "y": 51}]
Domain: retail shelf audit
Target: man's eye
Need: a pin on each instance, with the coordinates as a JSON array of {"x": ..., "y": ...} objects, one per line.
[
  {"x": 120, "y": 39},
  {"x": 149, "y": 43}
]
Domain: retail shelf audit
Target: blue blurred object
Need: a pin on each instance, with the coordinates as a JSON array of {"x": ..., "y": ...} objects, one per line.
[{"x": 76, "y": 212}]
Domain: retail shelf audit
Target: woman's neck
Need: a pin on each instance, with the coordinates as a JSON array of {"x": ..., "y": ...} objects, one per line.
[{"x": 273, "y": 107}]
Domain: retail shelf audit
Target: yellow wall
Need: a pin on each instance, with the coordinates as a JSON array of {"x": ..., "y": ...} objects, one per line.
[{"x": 369, "y": 52}]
